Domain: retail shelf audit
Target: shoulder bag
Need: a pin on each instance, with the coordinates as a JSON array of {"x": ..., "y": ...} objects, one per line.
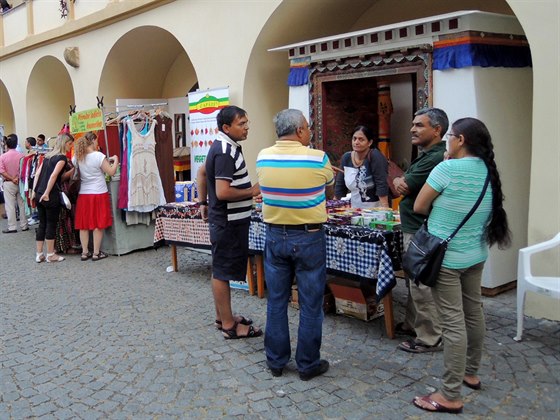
[
  {"x": 422, "y": 260},
  {"x": 393, "y": 171}
]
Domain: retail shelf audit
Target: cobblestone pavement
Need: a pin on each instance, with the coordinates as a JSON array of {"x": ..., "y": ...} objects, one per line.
[{"x": 122, "y": 338}]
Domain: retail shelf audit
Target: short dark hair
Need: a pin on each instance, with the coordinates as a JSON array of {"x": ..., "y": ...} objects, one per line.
[
  {"x": 437, "y": 117},
  {"x": 228, "y": 114},
  {"x": 12, "y": 141},
  {"x": 41, "y": 136},
  {"x": 31, "y": 141}
]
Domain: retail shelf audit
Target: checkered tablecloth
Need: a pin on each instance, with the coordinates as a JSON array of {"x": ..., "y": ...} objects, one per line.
[
  {"x": 351, "y": 250},
  {"x": 180, "y": 224}
]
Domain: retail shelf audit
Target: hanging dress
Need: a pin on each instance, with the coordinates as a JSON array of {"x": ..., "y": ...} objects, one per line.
[{"x": 145, "y": 190}]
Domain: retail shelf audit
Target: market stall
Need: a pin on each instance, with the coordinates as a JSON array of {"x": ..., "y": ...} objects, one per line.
[{"x": 356, "y": 252}]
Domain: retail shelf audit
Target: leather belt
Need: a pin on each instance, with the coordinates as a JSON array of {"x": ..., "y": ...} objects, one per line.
[{"x": 306, "y": 227}]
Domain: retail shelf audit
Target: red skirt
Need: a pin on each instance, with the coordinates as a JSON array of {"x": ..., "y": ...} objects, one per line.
[{"x": 93, "y": 211}]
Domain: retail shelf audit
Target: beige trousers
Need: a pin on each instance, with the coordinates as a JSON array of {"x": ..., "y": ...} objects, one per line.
[
  {"x": 458, "y": 301},
  {"x": 421, "y": 313}
]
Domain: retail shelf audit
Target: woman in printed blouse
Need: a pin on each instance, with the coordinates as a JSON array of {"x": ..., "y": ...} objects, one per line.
[{"x": 363, "y": 172}]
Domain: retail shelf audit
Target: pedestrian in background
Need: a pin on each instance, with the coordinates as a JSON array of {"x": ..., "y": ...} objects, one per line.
[
  {"x": 295, "y": 182},
  {"x": 9, "y": 169},
  {"x": 93, "y": 207},
  {"x": 225, "y": 181},
  {"x": 451, "y": 191},
  {"x": 47, "y": 196}
]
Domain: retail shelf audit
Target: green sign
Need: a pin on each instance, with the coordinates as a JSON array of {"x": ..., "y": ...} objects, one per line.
[{"x": 83, "y": 121}]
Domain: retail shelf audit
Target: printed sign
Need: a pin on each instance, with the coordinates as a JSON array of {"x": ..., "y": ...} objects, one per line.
[
  {"x": 83, "y": 121},
  {"x": 203, "y": 109}
]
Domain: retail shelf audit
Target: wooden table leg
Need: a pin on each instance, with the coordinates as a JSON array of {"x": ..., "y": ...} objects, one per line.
[
  {"x": 260, "y": 275},
  {"x": 250, "y": 277},
  {"x": 174, "y": 258},
  {"x": 388, "y": 315}
]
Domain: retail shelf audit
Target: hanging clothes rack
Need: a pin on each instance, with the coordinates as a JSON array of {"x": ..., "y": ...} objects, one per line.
[{"x": 120, "y": 111}]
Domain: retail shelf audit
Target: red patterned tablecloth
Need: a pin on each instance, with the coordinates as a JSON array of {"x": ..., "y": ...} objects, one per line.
[{"x": 180, "y": 224}]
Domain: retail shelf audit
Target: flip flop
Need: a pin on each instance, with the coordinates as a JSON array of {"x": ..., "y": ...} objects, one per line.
[
  {"x": 242, "y": 320},
  {"x": 412, "y": 346},
  {"x": 438, "y": 408},
  {"x": 476, "y": 386}
]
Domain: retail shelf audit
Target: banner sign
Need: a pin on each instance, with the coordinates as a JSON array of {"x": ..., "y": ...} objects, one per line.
[
  {"x": 203, "y": 109},
  {"x": 83, "y": 121}
]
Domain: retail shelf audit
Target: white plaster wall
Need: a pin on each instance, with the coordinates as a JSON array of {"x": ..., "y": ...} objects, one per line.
[
  {"x": 46, "y": 15},
  {"x": 299, "y": 99},
  {"x": 15, "y": 25},
  {"x": 501, "y": 98},
  {"x": 86, "y": 7},
  {"x": 541, "y": 23}
]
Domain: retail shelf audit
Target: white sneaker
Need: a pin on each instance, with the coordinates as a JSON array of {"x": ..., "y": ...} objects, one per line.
[{"x": 32, "y": 222}]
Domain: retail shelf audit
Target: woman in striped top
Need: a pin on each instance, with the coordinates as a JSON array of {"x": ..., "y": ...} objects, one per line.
[{"x": 451, "y": 191}]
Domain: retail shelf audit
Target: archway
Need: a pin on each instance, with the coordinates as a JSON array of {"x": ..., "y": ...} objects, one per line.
[
  {"x": 265, "y": 90},
  {"x": 49, "y": 95},
  {"x": 6, "y": 110},
  {"x": 147, "y": 62}
]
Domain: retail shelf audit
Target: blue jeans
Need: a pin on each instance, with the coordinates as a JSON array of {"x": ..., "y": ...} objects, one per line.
[{"x": 302, "y": 254}]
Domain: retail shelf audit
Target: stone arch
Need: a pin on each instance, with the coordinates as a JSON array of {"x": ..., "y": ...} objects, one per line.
[
  {"x": 49, "y": 95},
  {"x": 6, "y": 110},
  {"x": 146, "y": 62},
  {"x": 265, "y": 91}
]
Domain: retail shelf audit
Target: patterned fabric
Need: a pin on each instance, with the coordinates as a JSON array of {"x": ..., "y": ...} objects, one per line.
[
  {"x": 225, "y": 161},
  {"x": 385, "y": 275},
  {"x": 352, "y": 251},
  {"x": 292, "y": 179}
]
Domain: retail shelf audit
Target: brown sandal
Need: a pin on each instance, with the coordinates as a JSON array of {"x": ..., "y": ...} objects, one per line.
[{"x": 240, "y": 318}]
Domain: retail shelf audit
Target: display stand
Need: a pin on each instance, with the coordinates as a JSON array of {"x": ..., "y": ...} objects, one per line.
[{"x": 121, "y": 238}]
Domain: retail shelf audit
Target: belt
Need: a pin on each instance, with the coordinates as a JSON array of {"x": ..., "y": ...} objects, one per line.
[{"x": 306, "y": 227}]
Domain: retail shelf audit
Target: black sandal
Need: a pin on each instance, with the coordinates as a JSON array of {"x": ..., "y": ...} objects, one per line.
[
  {"x": 242, "y": 321},
  {"x": 85, "y": 257},
  {"x": 231, "y": 334},
  {"x": 100, "y": 256}
]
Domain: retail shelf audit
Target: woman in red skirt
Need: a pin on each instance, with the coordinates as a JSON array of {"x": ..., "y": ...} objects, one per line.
[{"x": 93, "y": 208}]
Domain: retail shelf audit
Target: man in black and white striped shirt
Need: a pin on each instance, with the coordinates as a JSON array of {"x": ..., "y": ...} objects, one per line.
[{"x": 224, "y": 178}]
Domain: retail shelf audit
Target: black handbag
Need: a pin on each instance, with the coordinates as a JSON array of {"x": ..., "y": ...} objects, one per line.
[{"x": 423, "y": 258}]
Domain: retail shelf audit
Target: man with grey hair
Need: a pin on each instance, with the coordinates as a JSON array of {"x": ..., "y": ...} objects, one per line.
[
  {"x": 421, "y": 319},
  {"x": 295, "y": 183}
]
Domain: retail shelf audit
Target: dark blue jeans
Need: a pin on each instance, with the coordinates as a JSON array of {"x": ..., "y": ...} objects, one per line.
[{"x": 299, "y": 254}]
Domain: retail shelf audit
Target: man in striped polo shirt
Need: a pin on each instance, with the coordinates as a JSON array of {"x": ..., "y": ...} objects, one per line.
[
  {"x": 295, "y": 182},
  {"x": 225, "y": 178}
]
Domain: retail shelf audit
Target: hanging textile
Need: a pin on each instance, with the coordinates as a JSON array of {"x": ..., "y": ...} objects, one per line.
[
  {"x": 145, "y": 190},
  {"x": 299, "y": 71},
  {"x": 384, "y": 111},
  {"x": 482, "y": 50},
  {"x": 164, "y": 156}
]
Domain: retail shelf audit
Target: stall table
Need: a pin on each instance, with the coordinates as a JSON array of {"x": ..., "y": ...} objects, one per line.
[{"x": 352, "y": 251}]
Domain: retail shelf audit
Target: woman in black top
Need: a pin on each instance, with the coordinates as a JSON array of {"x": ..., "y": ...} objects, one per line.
[{"x": 47, "y": 195}]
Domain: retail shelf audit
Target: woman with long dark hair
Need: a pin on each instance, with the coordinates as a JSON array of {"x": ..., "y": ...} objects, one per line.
[
  {"x": 451, "y": 190},
  {"x": 363, "y": 172}
]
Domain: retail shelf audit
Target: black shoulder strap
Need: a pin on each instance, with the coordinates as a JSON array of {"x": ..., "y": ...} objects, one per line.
[{"x": 470, "y": 213}]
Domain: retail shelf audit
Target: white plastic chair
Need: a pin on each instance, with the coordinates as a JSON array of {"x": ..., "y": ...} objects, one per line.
[{"x": 547, "y": 286}]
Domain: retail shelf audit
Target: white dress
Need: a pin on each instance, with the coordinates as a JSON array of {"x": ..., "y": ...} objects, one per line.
[{"x": 145, "y": 190}]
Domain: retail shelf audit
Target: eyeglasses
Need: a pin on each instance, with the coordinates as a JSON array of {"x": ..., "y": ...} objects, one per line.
[{"x": 449, "y": 135}]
